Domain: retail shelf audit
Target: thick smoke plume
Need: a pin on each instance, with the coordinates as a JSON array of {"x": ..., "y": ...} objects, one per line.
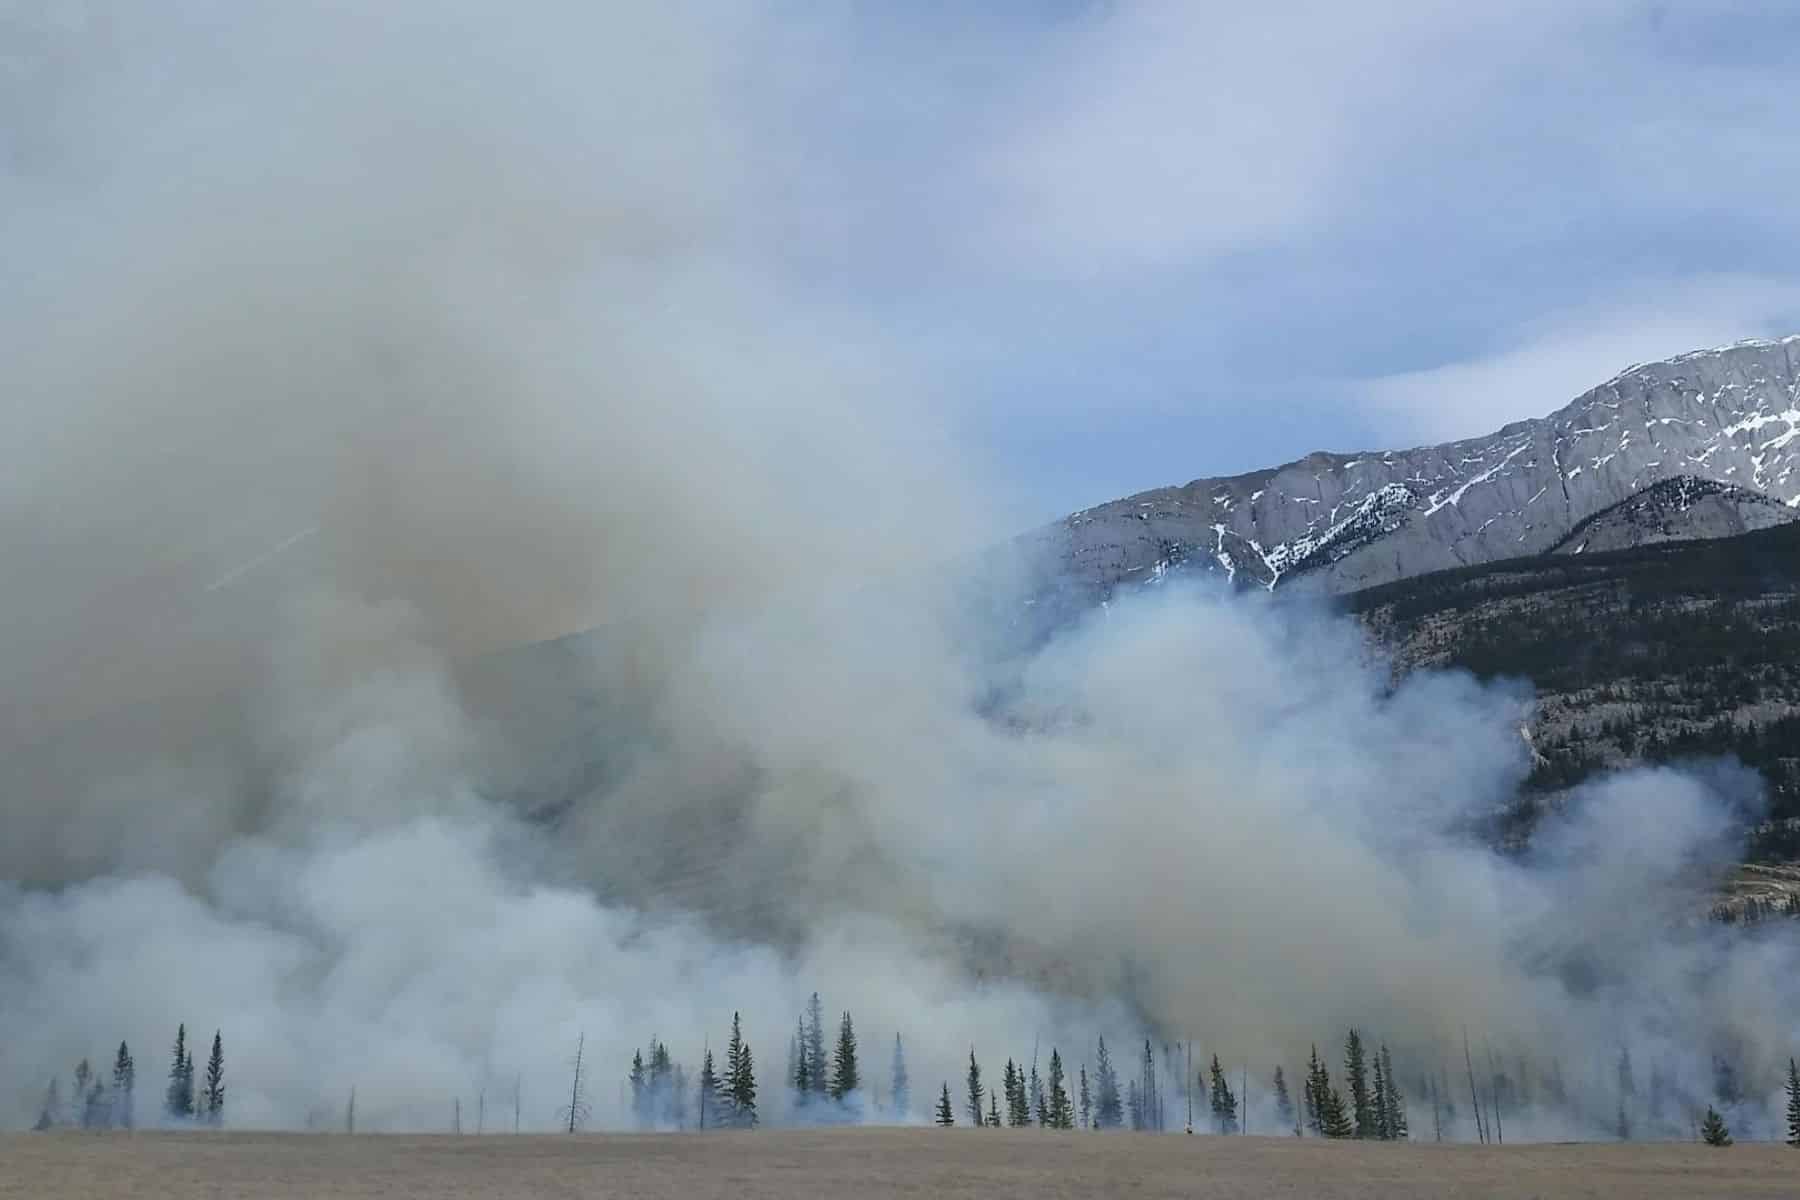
[{"x": 347, "y": 355}]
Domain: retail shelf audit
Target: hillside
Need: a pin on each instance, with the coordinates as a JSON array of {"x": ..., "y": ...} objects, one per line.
[
  {"x": 1342, "y": 522},
  {"x": 1652, "y": 654}
]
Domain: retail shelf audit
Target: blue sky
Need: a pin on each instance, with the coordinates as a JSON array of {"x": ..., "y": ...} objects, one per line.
[
  {"x": 1138, "y": 243},
  {"x": 1121, "y": 243}
]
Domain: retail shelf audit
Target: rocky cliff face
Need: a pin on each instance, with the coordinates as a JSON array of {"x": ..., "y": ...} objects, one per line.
[{"x": 1342, "y": 522}]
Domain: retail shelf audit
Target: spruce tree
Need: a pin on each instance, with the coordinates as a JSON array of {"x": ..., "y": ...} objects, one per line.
[
  {"x": 662, "y": 1085},
  {"x": 78, "y": 1099},
  {"x": 1014, "y": 1088},
  {"x": 946, "y": 1116},
  {"x": 802, "y": 1078},
  {"x": 96, "y": 1108},
  {"x": 1793, "y": 1104},
  {"x": 817, "y": 1071},
  {"x": 1087, "y": 1111},
  {"x": 1713, "y": 1130},
  {"x": 844, "y": 1075},
  {"x": 178, "y": 1101},
  {"x": 898, "y": 1083},
  {"x": 707, "y": 1097},
  {"x": 975, "y": 1092},
  {"x": 1134, "y": 1105},
  {"x": 1394, "y": 1112},
  {"x": 214, "y": 1096},
  {"x": 1284, "y": 1104},
  {"x": 993, "y": 1117},
  {"x": 1378, "y": 1100},
  {"x": 1107, "y": 1109},
  {"x": 1222, "y": 1101},
  {"x": 1313, "y": 1094},
  {"x": 1060, "y": 1111},
  {"x": 740, "y": 1078},
  {"x": 124, "y": 1084},
  {"x": 1034, "y": 1096},
  {"x": 1335, "y": 1120},
  {"x": 1356, "y": 1075}
]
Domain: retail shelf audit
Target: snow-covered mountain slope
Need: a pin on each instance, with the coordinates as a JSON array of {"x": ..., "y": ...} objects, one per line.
[{"x": 1342, "y": 522}]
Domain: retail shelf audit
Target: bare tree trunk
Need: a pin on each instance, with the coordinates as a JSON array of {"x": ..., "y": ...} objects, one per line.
[
  {"x": 1474, "y": 1096},
  {"x": 1494, "y": 1073}
]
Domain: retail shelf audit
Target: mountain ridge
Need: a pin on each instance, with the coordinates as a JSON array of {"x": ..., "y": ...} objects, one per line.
[{"x": 1340, "y": 522}]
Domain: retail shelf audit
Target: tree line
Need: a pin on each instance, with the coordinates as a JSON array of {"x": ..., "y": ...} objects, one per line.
[{"x": 97, "y": 1102}]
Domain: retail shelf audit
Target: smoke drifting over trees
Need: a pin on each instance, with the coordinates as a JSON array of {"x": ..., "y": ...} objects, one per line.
[{"x": 327, "y": 382}]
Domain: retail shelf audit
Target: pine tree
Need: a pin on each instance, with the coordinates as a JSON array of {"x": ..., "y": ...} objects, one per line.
[
  {"x": 740, "y": 1078},
  {"x": 1284, "y": 1104},
  {"x": 844, "y": 1076},
  {"x": 975, "y": 1091},
  {"x": 1034, "y": 1096},
  {"x": 1013, "y": 1086},
  {"x": 708, "y": 1099},
  {"x": 1394, "y": 1110},
  {"x": 817, "y": 1072},
  {"x": 1087, "y": 1110},
  {"x": 1107, "y": 1114},
  {"x": 1793, "y": 1104},
  {"x": 1134, "y": 1105},
  {"x": 1223, "y": 1102},
  {"x": 124, "y": 1084},
  {"x": 897, "y": 1080},
  {"x": 1060, "y": 1113},
  {"x": 179, "y": 1101},
  {"x": 1713, "y": 1130},
  {"x": 1150, "y": 1097},
  {"x": 214, "y": 1096},
  {"x": 1356, "y": 1075},
  {"x": 661, "y": 1086},
  {"x": 993, "y": 1117},
  {"x": 946, "y": 1116}
]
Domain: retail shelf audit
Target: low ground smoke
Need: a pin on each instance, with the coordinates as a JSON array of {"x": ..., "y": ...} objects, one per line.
[{"x": 337, "y": 386}]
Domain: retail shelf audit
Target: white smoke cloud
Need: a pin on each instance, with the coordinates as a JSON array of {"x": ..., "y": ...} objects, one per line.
[{"x": 348, "y": 355}]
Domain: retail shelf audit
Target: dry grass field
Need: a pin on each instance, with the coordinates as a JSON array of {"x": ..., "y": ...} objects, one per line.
[{"x": 863, "y": 1162}]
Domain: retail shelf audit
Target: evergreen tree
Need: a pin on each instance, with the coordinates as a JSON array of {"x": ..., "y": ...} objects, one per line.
[
  {"x": 214, "y": 1096},
  {"x": 1379, "y": 1100},
  {"x": 124, "y": 1084},
  {"x": 1627, "y": 1094},
  {"x": 1315, "y": 1093},
  {"x": 802, "y": 1076},
  {"x": 1107, "y": 1114},
  {"x": 1223, "y": 1102},
  {"x": 1284, "y": 1104},
  {"x": 1713, "y": 1130},
  {"x": 1034, "y": 1096},
  {"x": 96, "y": 1108},
  {"x": 78, "y": 1099},
  {"x": 1394, "y": 1110},
  {"x": 1150, "y": 1096},
  {"x": 708, "y": 1098},
  {"x": 178, "y": 1102},
  {"x": 661, "y": 1086},
  {"x": 640, "y": 1090},
  {"x": 1059, "y": 1111},
  {"x": 1334, "y": 1118},
  {"x": 1087, "y": 1110},
  {"x": 740, "y": 1078},
  {"x": 1014, "y": 1086},
  {"x": 1134, "y": 1105},
  {"x": 993, "y": 1117},
  {"x": 844, "y": 1076},
  {"x": 898, "y": 1082},
  {"x": 51, "y": 1114},
  {"x": 817, "y": 1072},
  {"x": 1793, "y": 1104},
  {"x": 1356, "y": 1075},
  {"x": 975, "y": 1089},
  {"x": 946, "y": 1116}
]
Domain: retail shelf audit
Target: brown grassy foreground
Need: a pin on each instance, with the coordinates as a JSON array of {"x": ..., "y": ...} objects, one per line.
[{"x": 863, "y": 1162}]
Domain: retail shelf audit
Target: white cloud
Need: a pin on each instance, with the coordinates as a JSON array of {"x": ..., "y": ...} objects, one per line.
[{"x": 1549, "y": 362}]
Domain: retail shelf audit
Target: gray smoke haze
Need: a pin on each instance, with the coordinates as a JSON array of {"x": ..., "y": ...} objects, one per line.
[{"x": 347, "y": 353}]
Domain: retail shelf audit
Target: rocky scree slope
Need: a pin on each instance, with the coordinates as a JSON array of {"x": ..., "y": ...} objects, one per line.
[{"x": 1343, "y": 522}]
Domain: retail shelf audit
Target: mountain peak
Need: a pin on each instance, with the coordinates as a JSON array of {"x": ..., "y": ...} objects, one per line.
[{"x": 1335, "y": 522}]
